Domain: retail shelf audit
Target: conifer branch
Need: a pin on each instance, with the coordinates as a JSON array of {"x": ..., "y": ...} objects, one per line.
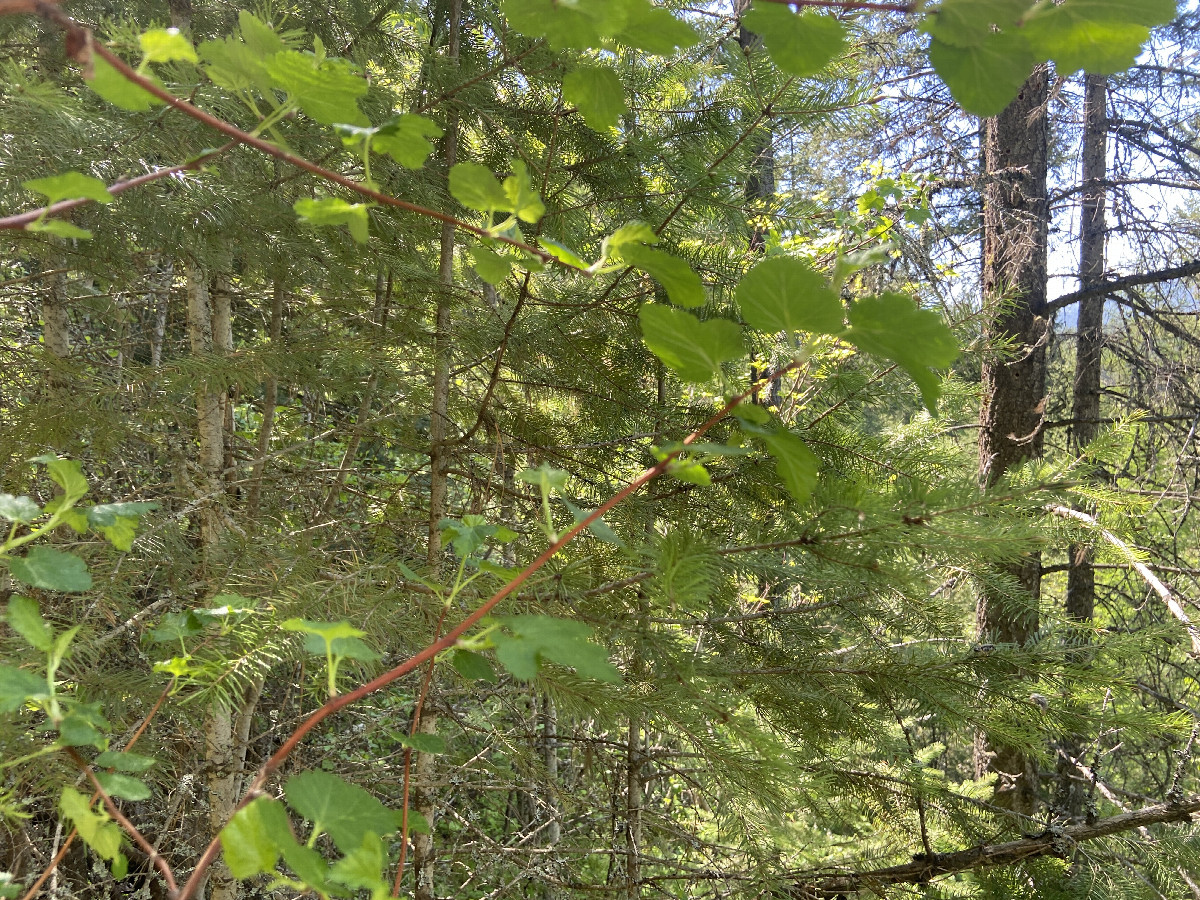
[{"x": 1054, "y": 841}]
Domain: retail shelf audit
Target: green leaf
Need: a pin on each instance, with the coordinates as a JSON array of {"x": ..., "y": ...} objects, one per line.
[
  {"x": 69, "y": 186},
  {"x": 1099, "y": 36},
  {"x": 114, "y": 87},
  {"x": 62, "y": 645},
  {"x": 418, "y": 824},
  {"x": 26, "y": 620},
  {"x": 786, "y": 294},
  {"x": 103, "y": 515},
  {"x": 326, "y": 89},
  {"x": 337, "y": 638},
  {"x": 893, "y": 326},
  {"x": 471, "y": 533},
  {"x": 796, "y": 464},
  {"x": 530, "y": 640},
  {"x": 966, "y": 23},
  {"x": 405, "y": 139},
  {"x": 472, "y": 666},
  {"x": 597, "y": 528},
  {"x": 565, "y": 26},
  {"x": 255, "y": 836},
  {"x": 123, "y": 761},
  {"x": 475, "y": 187},
  {"x": 161, "y": 45},
  {"x": 95, "y": 827},
  {"x": 59, "y": 228},
  {"x": 422, "y": 743},
  {"x": 629, "y": 233},
  {"x": 335, "y": 211},
  {"x": 236, "y": 66},
  {"x": 523, "y": 200},
  {"x": 311, "y": 868},
  {"x": 799, "y": 45},
  {"x": 177, "y": 626},
  {"x": 19, "y": 685},
  {"x": 563, "y": 254},
  {"x": 118, "y": 785},
  {"x": 51, "y": 570},
  {"x": 362, "y": 867},
  {"x": 689, "y": 471},
  {"x": 261, "y": 39},
  {"x": 598, "y": 94},
  {"x": 81, "y": 728},
  {"x": 655, "y": 30},
  {"x": 984, "y": 79},
  {"x": 343, "y": 810},
  {"x": 683, "y": 286},
  {"x": 694, "y": 349},
  {"x": 67, "y": 475},
  {"x": 490, "y": 265},
  {"x": 545, "y": 477}
]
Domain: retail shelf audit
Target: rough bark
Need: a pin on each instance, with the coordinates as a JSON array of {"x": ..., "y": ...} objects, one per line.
[
  {"x": 270, "y": 400},
  {"x": 160, "y": 289},
  {"x": 210, "y": 421},
  {"x": 1085, "y": 406},
  {"x": 1016, "y": 220}
]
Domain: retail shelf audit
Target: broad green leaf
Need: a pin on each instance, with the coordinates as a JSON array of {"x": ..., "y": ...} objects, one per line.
[
  {"x": 796, "y": 464},
  {"x": 406, "y": 139},
  {"x": 689, "y": 471},
  {"x": 51, "y": 570},
  {"x": 562, "y": 254},
  {"x": 694, "y": 349},
  {"x": 326, "y": 89},
  {"x": 255, "y": 836},
  {"x": 161, "y": 45},
  {"x": 67, "y": 475},
  {"x": 523, "y": 200},
  {"x": 95, "y": 827},
  {"x": 83, "y": 726},
  {"x": 528, "y": 640},
  {"x": 117, "y": 785},
  {"x": 475, "y": 187},
  {"x": 965, "y": 23},
  {"x": 261, "y": 39},
  {"x": 177, "y": 626},
  {"x": 422, "y": 743},
  {"x": 787, "y": 294},
  {"x": 59, "y": 228},
  {"x": 629, "y": 233},
  {"x": 104, "y": 514},
  {"x": 1095, "y": 35},
  {"x": 112, "y": 86},
  {"x": 565, "y": 26},
  {"x": 123, "y": 761},
  {"x": 599, "y": 95},
  {"x": 362, "y": 867},
  {"x": 597, "y": 528},
  {"x": 235, "y": 66},
  {"x": 335, "y": 211},
  {"x": 26, "y": 620},
  {"x": 546, "y": 477},
  {"x": 683, "y": 286},
  {"x": 472, "y": 666},
  {"x": 19, "y": 685},
  {"x": 984, "y": 79},
  {"x": 417, "y": 823},
  {"x": 58, "y": 652},
  {"x": 343, "y": 810},
  {"x": 799, "y": 45},
  {"x": 751, "y": 413},
  {"x": 655, "y": 30},
  {"x": 893, "y": 326},
  {"x": 338, "y": 638},
  {"x": 490, "y": 265},
  {"x": 69, "y": 186},
  {"x": 472, "y": 533},
  {"x": 311, "y": 868}
]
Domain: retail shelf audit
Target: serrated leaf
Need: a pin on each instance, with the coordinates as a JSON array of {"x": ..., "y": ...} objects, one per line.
[
  {"x": 545, "y": 477},
  {"x": 59, "y": 228},
  {"x": 656, "y": 30},
  {"x": 69, "y": 186},
  {"x": 694, "y": 349},
  {"x": 796, "y": 464},
  {"x": 343, "y": 810},
  {"x": 117, "y": 785},
  {"x": 490, "y": 265},
  {"x": 421, "y": 742},
  {"x": 787, "y": 294},
  {"x": 523, "y": 200},
  {"x": 683, "y": 286},
  {"x": 114, "y": 87},
  {"x": 598, "y": 94},
  {"x": 76, "y": 730},
  {"x": 564, "y": 26},
  {"x": 984, "y": 79},
  {"x": 1098, "y": 36},
  {"x": 236, "y": 66},
  {"x": 177, "y": 626},
  {"x": 311, "y": 868},
  {"x": 255, "y": 836},
  {"x": 799, "y": 45},
  {"x": 405, "y": 139},
  {"x": 362, "y": 867},
  {"x": 261, "y": 39},
  {"x": 335, "y": 211},
  {"x": 19, "y": 685},
  {"x": 25, "y": 619},
  {"x": 471, "y": 533},
  {"x": 472, "y": 666},
  {"x": 104, "y": 514},
  {"x": 475, "y": 187},
  {"x": 95, "y": 827},
  {"x": 123, "y": 761},
  {"x": 563, "y": 254},
  {"x": 161, "y": 45},
  {"x": 327, "y": 90},
  {"x": 965, "y": 23},
  {"x": 51, "y": 570},
  {"x": 893, "y": 326},
  {"x": 67, "y": 475},
  {"x": 529, "y": 640},
  {"x": 629, "y": 233}
]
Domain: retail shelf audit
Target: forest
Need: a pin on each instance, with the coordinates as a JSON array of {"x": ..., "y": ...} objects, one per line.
[{"x": 556, "y": 449}]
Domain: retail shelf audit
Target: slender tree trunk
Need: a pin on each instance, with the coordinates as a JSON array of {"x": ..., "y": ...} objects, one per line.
[
  {"x": 270, "y": 400},
  {"x": 56, "y": 326},
  {"x": 1085, "y": 406},
  {"x": 161, "y": 293},
  {"x": 1016, "y": 223},
  {"x": 210, "y": 420}
]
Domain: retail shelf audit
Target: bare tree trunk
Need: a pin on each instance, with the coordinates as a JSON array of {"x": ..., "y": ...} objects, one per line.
[
  {"x": 1085, "y": 406},
  {"x": 1016, "y": 223},
  {"x": 210, "y": 419},
  {"x": 161, "y": 293},
  {"x": 270, "y": 399},
  {"x": 222, "y": 313},
  {"x": 181, "y": 14}
]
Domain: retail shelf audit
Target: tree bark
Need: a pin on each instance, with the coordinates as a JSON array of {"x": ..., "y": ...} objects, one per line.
[
  {"x": 1015, "y": 228},
  {"x": 270, "y": 400}
]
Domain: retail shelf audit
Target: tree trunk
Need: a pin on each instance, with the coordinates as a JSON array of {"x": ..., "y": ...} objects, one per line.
[
  {"x": 270, "y": 400},
  {"x": 1015, "y": 223}
]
